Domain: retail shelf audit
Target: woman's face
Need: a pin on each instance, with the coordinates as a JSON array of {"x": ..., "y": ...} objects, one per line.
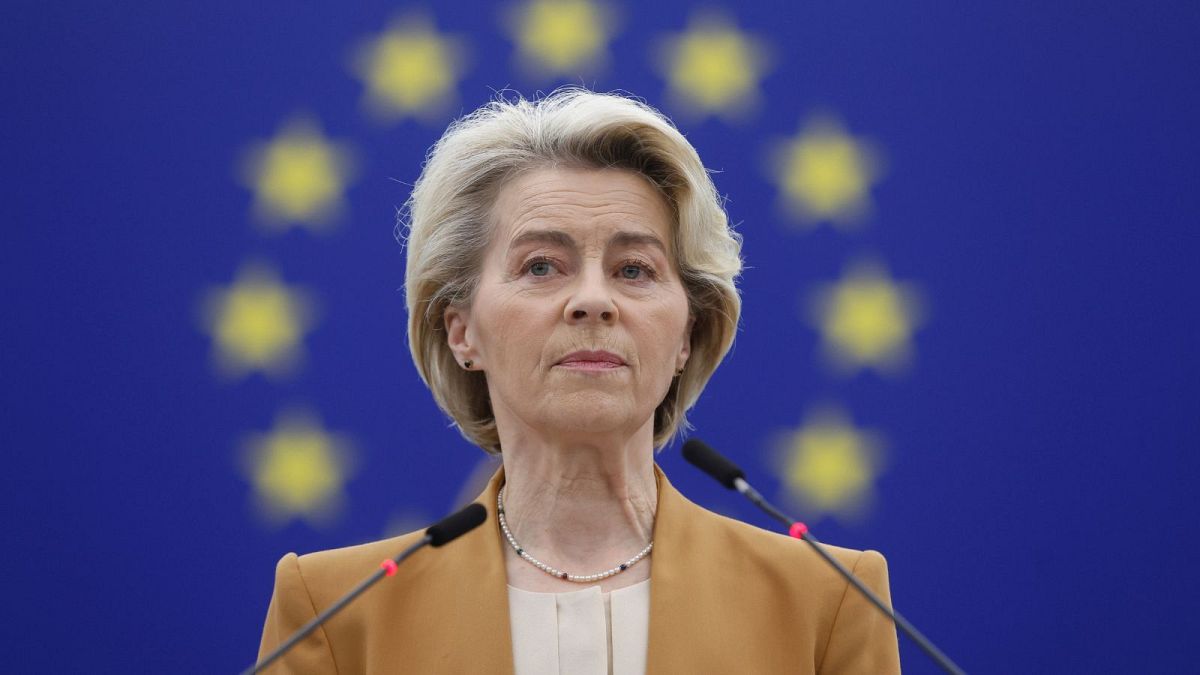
[{"x": 579, "y": 319}]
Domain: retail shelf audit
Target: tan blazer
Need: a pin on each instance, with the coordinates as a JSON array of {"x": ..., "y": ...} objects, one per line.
[{"x": 725, "y": 597}]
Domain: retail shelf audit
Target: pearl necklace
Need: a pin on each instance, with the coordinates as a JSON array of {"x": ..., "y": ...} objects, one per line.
[{"x": 552, "y": 571}]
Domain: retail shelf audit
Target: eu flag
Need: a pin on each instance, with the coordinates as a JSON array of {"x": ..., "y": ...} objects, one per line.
[{"x": 968, "y": 339}]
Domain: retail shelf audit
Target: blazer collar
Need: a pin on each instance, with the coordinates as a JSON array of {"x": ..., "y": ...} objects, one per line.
[
  {"x": 481, "y": 639},
  {"x": 684, "y": 563}
]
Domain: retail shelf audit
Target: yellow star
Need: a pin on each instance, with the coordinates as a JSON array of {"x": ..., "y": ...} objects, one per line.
[
  {"x": 829, "y": 466},
  {"x": 257, "y": 323},
  {"x": 297, "y": 469},
  {"x": 561, "y": 37},
  {"x": 298, "y": 177},
  {"x": 713, "y": 68},
  {"x": 403, "y": 522},
  {"x": 826, "y": 174},
  {"x": 866, "y": 319},
  {"x": 410, "y": 70}
]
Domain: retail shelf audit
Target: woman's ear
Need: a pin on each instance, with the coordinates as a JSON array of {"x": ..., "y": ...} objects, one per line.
[
  {"x": 685, "y": 350},
  {"x": 457, "y": 321}
]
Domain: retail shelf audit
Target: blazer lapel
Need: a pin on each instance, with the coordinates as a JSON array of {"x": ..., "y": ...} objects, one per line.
[
  {"x": 685, "y": 617},
  {"x": 482, "y": 639}
]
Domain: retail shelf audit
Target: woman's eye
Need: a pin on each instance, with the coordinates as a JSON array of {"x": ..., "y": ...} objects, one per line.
[
  {"x": 539, "y": 268},
  {"x": 632, "y": 271}
]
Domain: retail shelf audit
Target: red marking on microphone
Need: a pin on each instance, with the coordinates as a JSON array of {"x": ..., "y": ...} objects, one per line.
[
  {"x": 798, "y": 530},
  {"x": 389, "y": 566}
]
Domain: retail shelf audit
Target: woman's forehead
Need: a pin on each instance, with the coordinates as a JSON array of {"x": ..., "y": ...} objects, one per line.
[{"x": 569, "y": 205}]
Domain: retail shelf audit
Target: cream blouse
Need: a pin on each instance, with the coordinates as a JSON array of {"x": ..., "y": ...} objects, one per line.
[{"x": 582, "y": 632}]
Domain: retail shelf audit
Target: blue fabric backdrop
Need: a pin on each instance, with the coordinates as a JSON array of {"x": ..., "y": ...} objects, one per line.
[{"x": 969, "y": 337}]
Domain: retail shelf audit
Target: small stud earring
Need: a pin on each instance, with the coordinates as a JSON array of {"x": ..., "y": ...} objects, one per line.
[
  {"x": 468, "y": 364},
  {"x": 679, "y": 372}
]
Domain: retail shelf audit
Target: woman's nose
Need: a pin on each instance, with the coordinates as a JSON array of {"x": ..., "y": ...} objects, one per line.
[{"x": 591, "y": 301}]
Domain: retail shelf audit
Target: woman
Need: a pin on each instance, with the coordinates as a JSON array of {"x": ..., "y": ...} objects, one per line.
[{"x": 570, "y": 289}]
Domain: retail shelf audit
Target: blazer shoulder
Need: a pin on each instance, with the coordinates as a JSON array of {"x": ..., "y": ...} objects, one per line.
[
  {"x": 783, "y": 562},
  {"x": 333, "y": 568},
  {"x": 803, "y": 601},
  {"x": 776, "y": 549}
]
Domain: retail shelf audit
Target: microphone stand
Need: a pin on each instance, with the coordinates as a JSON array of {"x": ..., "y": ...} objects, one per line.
[
  {"x": 386, "y": 569},
  {"x": 439, "y": 534},
  {"x": 716, "y": 465},
  {"x": 799, "y": 530}
]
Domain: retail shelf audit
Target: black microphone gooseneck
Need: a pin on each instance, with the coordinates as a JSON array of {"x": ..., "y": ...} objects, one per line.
[
  {"x": 713, "y": 463},
  {"x": 440, "y": 533}
]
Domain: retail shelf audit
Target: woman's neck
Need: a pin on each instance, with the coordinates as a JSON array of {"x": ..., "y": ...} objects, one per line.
[{"x": 581, "y": 508}]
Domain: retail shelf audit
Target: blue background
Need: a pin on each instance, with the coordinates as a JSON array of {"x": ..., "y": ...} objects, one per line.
[{"x": 1037, "y": 510}]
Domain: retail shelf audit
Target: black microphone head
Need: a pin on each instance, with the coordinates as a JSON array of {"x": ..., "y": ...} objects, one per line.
[
  {"x": 711, "y": 462},
  {"x": 456, "y": 524}
]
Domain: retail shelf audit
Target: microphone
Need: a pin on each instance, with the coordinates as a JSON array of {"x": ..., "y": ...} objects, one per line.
[
  {"x": 713, "y": 463},
  {"x": 439, "y": 534},
  {"x": 456, "y": 525}
]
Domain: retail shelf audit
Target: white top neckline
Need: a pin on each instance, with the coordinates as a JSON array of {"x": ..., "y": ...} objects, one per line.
[{"x": 583, "y": 632}]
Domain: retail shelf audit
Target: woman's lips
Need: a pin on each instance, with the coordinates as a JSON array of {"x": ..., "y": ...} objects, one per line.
[
  {"x": 595, "y": 361},
  {"x": 591, "y": 365}
]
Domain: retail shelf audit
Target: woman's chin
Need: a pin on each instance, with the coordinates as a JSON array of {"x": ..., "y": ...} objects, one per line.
[{"x": 591, "y": 412}]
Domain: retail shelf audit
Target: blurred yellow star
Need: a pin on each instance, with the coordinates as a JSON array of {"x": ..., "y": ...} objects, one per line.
[
  {"x": 866, "y": 319},
  {"x": 713, "y": 68},
  {"x": 410, "y": 70},
  {"x": 826, "y": 174},
  {"x": 829, "y": 466},
  {"x": 298, "y": 177},
  {"x": 561, "y": 37},
  {"x": 258, "y": 323},
  {"x": 403, "y": 522},
  {"x": 298, "y": 470}
]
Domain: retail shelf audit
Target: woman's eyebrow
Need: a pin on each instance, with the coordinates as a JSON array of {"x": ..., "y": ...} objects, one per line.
[
  {"x": 551, "y": 237},
  {"x": 563, "y": 240},
  {"x": 636, "y": 239}
]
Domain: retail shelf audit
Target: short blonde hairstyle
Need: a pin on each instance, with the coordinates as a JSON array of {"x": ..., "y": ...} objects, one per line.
[{"x": 447, "y": 222}]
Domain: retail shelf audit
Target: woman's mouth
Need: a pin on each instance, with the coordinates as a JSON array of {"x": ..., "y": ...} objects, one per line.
[{"x": 592, "y": 361}]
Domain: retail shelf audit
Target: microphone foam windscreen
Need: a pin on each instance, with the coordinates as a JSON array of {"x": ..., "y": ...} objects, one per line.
[
  {"x": 456, "y": 524},
  {"x": 711, "y": 462}
]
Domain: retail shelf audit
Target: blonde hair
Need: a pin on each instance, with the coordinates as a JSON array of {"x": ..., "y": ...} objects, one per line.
[{"x": 446, "y": 225}]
